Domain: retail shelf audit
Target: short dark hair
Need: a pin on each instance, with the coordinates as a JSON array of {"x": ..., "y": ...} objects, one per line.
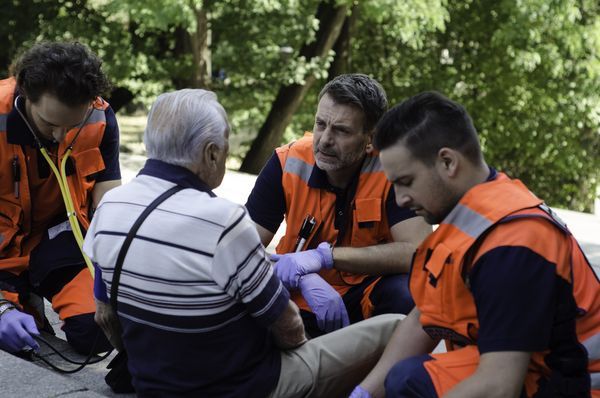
[
  {"x": 426, "y": 123},
  {"x": 360, "y": 90},
  {"x": 69, "y": 70}
]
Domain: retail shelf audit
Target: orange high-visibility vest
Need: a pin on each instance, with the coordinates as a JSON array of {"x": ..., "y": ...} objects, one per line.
[
  {"x": 369, "y": 224},
  {"x": 15, "y": 213},
  {"x": 439, "y": 274}
]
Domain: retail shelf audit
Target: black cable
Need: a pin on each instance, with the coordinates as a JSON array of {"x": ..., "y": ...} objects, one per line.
[
  {"x": 82, "y": 365},
  {"x": 103, "y": 357}
]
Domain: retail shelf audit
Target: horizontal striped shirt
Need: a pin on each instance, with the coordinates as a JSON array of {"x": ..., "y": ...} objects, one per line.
[{"x": 197, "y": 291}]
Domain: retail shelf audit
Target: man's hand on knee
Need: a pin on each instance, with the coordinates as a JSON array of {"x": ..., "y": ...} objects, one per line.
[
  {"x": 327, "y": 304},
  {"x": 106, "y": 318}
]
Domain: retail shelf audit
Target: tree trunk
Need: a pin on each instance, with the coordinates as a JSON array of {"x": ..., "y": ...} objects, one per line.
[
  {"x": 289, "y": 97},
  {"x": 200, "y": 41},
  {"x": 342, "y": 62}
]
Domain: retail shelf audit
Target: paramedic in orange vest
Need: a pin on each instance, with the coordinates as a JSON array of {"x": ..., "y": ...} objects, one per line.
[
  {"x": 352, "y": 260},
  {"x": 52, "y": 104},
  {"x": 501, "y": 280}
]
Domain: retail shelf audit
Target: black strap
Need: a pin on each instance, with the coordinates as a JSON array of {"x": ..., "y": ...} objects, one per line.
[{"x": 114, "y": 288}]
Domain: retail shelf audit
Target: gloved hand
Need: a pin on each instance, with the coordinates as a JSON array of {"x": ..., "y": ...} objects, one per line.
[
  {"x": 291, "y": 266},
  {"x": 359, "y": 392},
  {"x": 325, "y": 302},
  {"x": 16, "y": 328}
]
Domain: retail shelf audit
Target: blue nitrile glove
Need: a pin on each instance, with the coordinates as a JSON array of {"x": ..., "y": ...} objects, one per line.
[
  {"x": 291, "y": 266},
  {"x": 16, "y": 329},
  {"x": 325, "y": 302},
  {"x": 360, "y": 392}
]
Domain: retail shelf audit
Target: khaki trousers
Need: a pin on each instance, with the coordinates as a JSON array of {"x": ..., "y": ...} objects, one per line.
[{"x": 332, "y": 365}]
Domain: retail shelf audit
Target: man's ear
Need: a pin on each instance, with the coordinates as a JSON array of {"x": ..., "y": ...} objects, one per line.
[
  {"x": 210, "y": 154},
  {"x": 369, "y": 147},
  {"x": 448, "y": 161}
]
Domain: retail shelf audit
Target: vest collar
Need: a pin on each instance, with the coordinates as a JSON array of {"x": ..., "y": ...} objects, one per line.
[
  {"x": 175, "y": 174},
  {"x": 17, "y": 132},
  {"x": 493, "y": 174}
]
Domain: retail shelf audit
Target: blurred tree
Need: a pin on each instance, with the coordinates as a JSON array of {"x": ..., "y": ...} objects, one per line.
[
  {"x": 529, "y": 74},
  {"x": 410, "y": 20},
  {"x": 330, "y": 17}
]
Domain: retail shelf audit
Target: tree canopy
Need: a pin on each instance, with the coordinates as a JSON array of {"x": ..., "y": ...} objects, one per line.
[{"x": 528, "y": 72}]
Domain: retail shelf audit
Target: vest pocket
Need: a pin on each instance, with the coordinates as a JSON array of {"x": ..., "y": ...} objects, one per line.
[
  {"x": 366, "y": 222},
  {"x": 434, "y": 267},
  {"x": 88, "y": 162}
]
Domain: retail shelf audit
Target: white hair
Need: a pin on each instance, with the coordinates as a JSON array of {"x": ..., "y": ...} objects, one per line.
[{"x": 181, "y": 123}]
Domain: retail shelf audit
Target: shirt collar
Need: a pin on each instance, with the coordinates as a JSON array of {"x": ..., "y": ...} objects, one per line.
[
  {"x": 493, "y": 174},
  {"x": 318, "y": 178},
  {"x": 176, "y": 174}
]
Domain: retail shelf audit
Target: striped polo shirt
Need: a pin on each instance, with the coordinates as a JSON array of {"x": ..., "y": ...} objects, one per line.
[{"x": 197, "y": 292}]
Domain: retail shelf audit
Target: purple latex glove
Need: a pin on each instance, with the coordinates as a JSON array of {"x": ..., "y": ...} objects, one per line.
[
  {"x": 325, "y": 302},
  {"x": 360, "y": 392},
  {"x": 16, "y": 329},
  {"x": 291, "y": 266}
]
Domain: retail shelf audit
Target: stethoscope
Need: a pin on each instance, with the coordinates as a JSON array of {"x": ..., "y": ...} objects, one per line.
[{"x": 61, "y": 177}]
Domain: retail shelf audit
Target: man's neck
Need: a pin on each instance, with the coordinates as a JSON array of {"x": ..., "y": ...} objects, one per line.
[
  {"x": 479, "y": 175},
  {"x": 341, "y": 178}
]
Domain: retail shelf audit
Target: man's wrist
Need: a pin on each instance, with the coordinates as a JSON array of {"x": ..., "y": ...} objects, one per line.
[
  {"x": 326, "y": 251},
  {"x": 6, "y": 306}
]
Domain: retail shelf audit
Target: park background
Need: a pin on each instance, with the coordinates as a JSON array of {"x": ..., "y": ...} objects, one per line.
[{"x": 528, "y": 71}]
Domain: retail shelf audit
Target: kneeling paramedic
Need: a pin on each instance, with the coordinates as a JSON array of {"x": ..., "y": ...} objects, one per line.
[{"x": 60, "y": 144}]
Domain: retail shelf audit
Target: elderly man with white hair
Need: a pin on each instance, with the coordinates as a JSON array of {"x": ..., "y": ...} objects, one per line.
[{"x": 201, "y": 312}]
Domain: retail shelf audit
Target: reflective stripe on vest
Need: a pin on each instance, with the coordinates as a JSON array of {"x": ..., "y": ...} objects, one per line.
[
  {"x": 298, "y": 167},
  {"x": 371, "y": 165},
  {"x": 468, "y": 221},
  {"x": 98, "y": 115},
  {"x": 592, "y": 345}
]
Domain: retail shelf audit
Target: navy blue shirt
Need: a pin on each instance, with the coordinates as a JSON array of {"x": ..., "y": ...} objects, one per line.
[{"x": 266, "y": 203}]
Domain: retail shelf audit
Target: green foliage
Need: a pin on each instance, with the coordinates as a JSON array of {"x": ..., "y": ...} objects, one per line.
[{"x": 527, "y": 71}]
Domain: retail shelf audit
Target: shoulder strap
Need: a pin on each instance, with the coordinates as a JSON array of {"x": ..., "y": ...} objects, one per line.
[{"x": 114, "y": 288}]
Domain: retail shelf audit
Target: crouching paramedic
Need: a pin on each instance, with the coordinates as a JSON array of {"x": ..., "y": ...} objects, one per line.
[
  {"x": 501, "y": 279},
  {"x": 59, "y": 147},
  {"x": 361, "y": 242}
]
